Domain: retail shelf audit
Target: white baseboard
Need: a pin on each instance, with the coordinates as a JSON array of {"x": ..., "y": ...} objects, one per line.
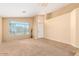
[{"x": 63, "y": 42}]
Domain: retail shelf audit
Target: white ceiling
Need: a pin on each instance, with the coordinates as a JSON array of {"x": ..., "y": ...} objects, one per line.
[{"x": 17, "y": 9}]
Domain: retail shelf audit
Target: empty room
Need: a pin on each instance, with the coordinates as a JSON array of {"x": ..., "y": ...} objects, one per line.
[{"x": 39, "y": 29}]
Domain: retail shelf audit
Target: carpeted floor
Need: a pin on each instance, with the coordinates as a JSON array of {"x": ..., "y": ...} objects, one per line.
[{"x": 31, "y": 47}]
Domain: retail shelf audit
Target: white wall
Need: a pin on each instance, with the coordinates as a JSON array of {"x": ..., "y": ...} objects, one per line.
[
  {"x": 0, "y": 29},
  {"x": 73, "y": 28},
  {"x": 58, "y": 28},
  {"x": 64, "y": 28},
  {"x": 35, "y": 28},
  {"x": 77, "y": 27},
  {"x": 38, "y": 28}
]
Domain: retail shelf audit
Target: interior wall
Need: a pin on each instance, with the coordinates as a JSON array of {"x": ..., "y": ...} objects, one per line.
[
  {"x": 73, "y": 27},
  {"x": 58, "y": 28},
  {"x": 63, "y": 25},
  {"x": 38, "y": 27},
  {"x": 7, "y": 35},
  {"x": 0, "y": 29},
  {"x": 77, "y": 27},
  {"x": 35, "y": 28}
]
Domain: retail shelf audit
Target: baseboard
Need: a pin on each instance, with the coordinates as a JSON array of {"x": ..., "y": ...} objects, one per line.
[
  {"x": 58, "y": 41},
  {"x": 74, "y": 50}
]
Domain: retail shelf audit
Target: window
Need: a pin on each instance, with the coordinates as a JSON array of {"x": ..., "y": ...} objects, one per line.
[{"x": 19, "y": 28}]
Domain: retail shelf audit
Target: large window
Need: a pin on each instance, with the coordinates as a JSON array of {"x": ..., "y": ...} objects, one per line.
[{"x": 19, "y": 28}]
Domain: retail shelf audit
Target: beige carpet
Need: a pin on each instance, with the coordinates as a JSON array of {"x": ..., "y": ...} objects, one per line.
[{"x": 31, "y": 47}]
